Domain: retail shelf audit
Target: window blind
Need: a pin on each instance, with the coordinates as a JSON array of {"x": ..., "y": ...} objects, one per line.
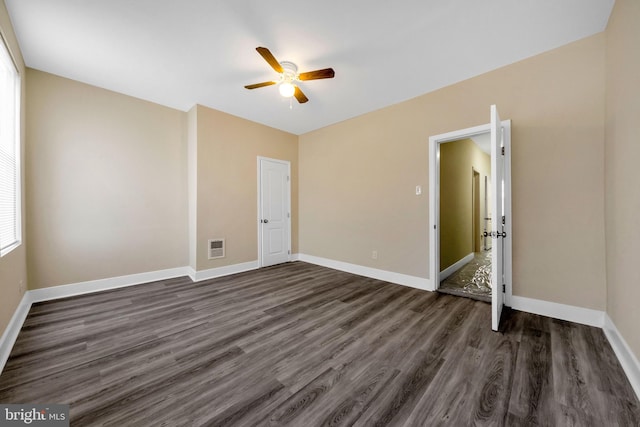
[{"x": 10, "y": 230}]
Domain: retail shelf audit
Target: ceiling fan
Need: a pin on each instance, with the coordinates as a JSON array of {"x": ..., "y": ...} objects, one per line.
[{"x": 289, "y": 76}]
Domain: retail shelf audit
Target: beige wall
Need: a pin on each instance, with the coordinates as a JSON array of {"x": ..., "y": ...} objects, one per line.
[
  {"x": 622, "y": 170},
  {"x": 106, "y": 183},
  {"x": 13, "y": 266},
  {"x": 121, "y": 186},
  {"x": 112, "y": 181},
  {"x": 357, "y": 178},
  {"x": 92, "y": 153},
  {"x": 458, "y": 160},
  {"x": 227, "y": 183}
]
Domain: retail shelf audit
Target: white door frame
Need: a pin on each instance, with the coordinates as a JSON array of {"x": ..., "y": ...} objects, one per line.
[
  {"x": 288, "y": 163},
  {"x": 434, "y": 202}
]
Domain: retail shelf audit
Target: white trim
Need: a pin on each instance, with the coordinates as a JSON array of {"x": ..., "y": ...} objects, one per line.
[
  {"x": 434, "y": 201},
  {"x": 259, "y": 210},
  {"x": 461, "y": 133},
  {"x": 13, "y": 328},
  {"x": 63, "y": 291},
  {"x": 295, "y": 257},
  {"x": 191, "y": 272},
  {"x": 226, "y": 270},
  {"x": 434, "y": 191},
  {"x": 81, "y": 288},
  {"x": 374, "y": 273},
  {"x": 627, "y": 358},
  {"x": 590, "y": 317},
  {"x": 584, "y": 316},
  {"x": 455, "y": 267}
]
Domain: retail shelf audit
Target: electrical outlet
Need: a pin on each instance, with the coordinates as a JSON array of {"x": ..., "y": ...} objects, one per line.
[{"x": 374, "y": 255}]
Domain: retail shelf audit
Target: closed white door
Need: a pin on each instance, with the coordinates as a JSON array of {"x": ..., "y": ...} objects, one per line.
[
  {"x": 497, "y": 224},
  {"x": 274, "y": 222}
]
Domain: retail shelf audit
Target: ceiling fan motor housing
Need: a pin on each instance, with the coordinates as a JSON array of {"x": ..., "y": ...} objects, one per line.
[{"x": 290, "y": 71}]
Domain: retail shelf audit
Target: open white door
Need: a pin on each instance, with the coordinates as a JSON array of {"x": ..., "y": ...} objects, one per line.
[
  {"x": 497, "y": 223},
  {"x": 274, "y": 196}
]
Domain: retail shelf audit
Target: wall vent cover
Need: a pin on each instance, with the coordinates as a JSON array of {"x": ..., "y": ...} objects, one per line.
[{"x": 216, "y": 248}]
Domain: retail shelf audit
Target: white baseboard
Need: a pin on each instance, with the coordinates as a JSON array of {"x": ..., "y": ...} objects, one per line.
[
  {"x": 10, "y": 334},
  {"x": 584, "y": 316},
  {"x": 191, "y": 272},
  {"x": 64, "y": 291},
  {"x": 627, "y": 358},
  {"x": 387, "y": 276},
  {"x": 455, "y": 267},
  {"x": 212, "y": 273}
]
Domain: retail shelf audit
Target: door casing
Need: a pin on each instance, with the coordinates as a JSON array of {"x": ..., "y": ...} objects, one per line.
[
  {"x": 259, "y": 204},
  {"x": 434, "y": 203}
]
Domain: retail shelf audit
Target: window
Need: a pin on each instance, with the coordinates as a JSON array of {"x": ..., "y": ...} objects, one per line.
[{"x": 10, "y": 214}]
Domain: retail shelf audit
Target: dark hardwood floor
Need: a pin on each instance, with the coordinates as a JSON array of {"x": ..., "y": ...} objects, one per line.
[{"x": 297, "y": 344}]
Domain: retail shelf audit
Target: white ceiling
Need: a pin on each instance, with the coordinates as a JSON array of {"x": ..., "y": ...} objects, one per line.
[{"x": 179, "y": 53}]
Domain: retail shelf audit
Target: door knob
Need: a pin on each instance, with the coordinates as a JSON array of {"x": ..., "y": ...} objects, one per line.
[{"x": 265, "y": 221}]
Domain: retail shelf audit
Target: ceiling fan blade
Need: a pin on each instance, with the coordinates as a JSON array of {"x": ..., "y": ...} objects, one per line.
[
  {"x": 326, "y": 73},
  {"x": 257, "y": 85},
  {"x": 300, "y": 96},
  {"x": 268, "y": 56}
]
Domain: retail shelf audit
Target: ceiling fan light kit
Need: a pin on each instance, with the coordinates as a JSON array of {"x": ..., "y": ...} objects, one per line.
[
  {"x": 289, "y": 76},
  {"x": 287, "y": 79},
  {"x": 287, "y": 89}
]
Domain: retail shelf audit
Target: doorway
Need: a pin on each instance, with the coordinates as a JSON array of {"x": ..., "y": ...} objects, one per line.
[
  {"x": 465, "y": 268},
  {"x": 274, "y": 211},
  {"x": 499, "y": 188}
]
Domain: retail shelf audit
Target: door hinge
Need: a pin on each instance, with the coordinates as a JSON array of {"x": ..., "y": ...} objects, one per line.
[
  {"x": 503, "y": 219},
  {"x": 504, "y": 288},
  {"x": 503, "y": 151},
  {"x": 288, "y": 215},
  {"x": 288, "y": 252}
]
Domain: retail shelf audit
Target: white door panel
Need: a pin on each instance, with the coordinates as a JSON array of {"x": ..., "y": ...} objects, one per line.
[
  {"x": 274, "y": 217},
  {"x": 497, "y": 227}
]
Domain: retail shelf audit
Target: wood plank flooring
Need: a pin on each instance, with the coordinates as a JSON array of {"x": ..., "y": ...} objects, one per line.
[{"x": 297, "y": 344}]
